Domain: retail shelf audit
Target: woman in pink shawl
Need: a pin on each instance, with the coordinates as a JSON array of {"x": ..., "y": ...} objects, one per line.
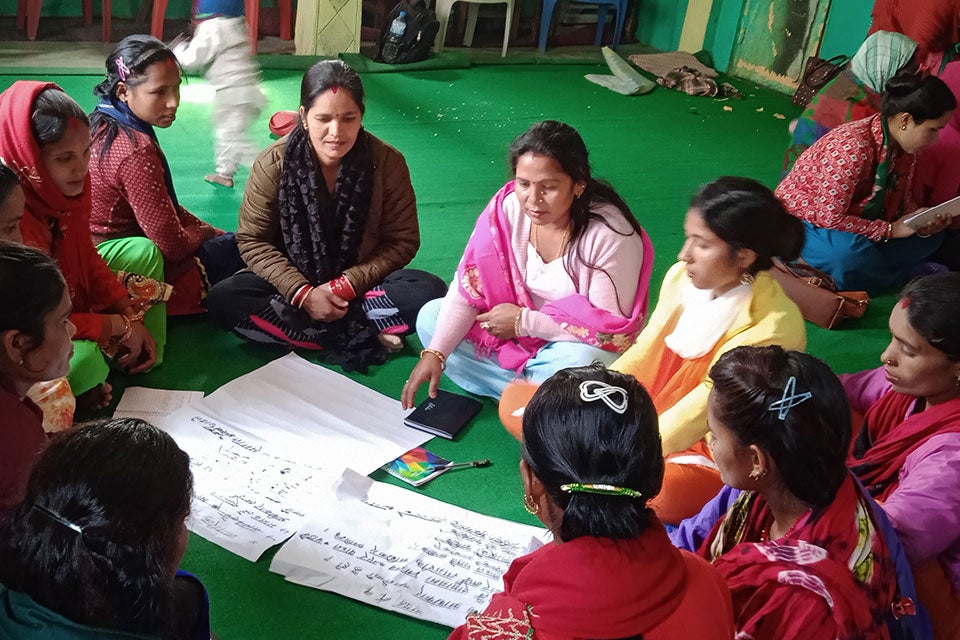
[{"x": 556, "y": 274}]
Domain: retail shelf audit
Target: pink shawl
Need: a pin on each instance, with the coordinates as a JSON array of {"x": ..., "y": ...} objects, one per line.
[{"x": 489, "y": 275}]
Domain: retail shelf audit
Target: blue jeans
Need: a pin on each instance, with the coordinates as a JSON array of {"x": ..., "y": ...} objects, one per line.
[
  {"x": 485, "y": 376},
  {"x": 857, "y": 263}
]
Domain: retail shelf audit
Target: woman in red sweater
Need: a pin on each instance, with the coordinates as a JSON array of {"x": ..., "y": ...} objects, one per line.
[{"x": 35, "y": 345}]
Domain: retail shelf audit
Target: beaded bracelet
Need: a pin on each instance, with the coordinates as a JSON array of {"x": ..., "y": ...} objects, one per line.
[{"x": 439, "y": 355}]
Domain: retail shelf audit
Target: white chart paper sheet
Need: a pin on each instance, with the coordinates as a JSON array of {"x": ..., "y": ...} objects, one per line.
[
  {"x": 153, "y": 404},
  {"x": 402, "y": 551},
  {"x": 265, "y": 447}
]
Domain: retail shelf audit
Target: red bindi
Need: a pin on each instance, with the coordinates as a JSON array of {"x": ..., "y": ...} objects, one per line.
[{"x": 334, "y": 89}]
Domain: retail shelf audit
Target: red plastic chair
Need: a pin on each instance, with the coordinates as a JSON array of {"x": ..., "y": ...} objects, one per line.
[
  {"x": 251, "y": 10},
  {"x": 28, "y": 16}
]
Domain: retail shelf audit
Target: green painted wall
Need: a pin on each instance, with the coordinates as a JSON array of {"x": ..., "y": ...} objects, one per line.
[
  {"x": 722, "y": 31},
  {"x": 846, "y": 27},
  {"x": 660, "y": 22}
]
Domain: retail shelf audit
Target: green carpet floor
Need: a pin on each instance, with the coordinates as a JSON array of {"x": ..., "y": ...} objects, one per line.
[{"x": 454, "y": 127}]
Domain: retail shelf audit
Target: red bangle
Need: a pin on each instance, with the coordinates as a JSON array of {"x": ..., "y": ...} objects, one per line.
[
  {"x": 342, "y": 288},
  {"x": 301, "y": 296}
]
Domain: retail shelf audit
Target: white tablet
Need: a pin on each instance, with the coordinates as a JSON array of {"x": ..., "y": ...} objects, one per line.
[{"x": 948, "y": 209}]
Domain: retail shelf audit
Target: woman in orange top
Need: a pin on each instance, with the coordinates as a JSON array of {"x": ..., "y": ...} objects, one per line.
[{"x": 719, "y": 296}]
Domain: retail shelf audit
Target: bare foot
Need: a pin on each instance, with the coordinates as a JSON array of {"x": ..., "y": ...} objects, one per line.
[
  {"x": 391, "y": 342},
  {"x": 216, "y": 178},
  {"x": 96, "y": 398}
]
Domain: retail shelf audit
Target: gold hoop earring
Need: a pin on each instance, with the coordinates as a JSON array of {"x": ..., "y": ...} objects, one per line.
[
  {"x": 746, "y": 278},
  {"x": 532, "y": 507}
]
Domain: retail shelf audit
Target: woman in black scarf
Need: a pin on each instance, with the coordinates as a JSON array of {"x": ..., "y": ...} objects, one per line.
[{"x": 328, "y": 214}]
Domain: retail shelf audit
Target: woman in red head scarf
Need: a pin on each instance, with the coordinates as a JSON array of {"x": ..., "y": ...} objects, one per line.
[{"x": 45, "y": 138}]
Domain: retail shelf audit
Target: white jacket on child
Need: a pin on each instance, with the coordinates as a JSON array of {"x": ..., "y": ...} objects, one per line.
[{"x": 221, "y": 46}]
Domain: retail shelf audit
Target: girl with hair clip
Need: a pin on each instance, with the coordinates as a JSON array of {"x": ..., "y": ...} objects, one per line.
[
  {"x": 792, "y": 532},
  {"x": 93, "y": 549},
  {"x": 853, "y": 187},
  {"x": 45, "y": 138},
  {"x": 556, "y": 274},
  {"x": 590, "y": 461},
  {"x": 907, "y": 450},
  {"x": 327, "y": 223},
  {"x": 12, "y": 204},
  {"x": 35, "y": 345},
  {"x": 135, "y": 206}
]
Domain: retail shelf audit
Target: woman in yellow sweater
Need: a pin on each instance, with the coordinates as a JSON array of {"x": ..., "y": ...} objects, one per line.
[{"x": 717, "y": 297}]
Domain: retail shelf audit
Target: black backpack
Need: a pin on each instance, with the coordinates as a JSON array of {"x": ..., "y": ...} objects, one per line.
[{"x": 417, "y": 38}]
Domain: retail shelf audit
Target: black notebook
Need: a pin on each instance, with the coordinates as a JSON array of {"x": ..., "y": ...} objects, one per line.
[{"x": 444, "y": 415}]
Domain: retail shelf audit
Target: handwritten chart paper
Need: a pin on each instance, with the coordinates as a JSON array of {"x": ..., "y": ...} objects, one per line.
[
  {"x": 248, "y": 494},
  {"x": 303, "y": 405},
  {"x": 404, "y": 552},
  {"x": 151, "y": 404},
  {"x": 264, "y": 445}
]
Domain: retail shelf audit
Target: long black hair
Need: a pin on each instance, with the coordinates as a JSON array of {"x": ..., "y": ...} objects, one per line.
[
  {"x": 747, "y": 215},
  {"x": 127, "y": 63},
  {"x": 570, "y": 439},
  {"x": 808, "y": 441},
  {"x": 96, "y": 536},
  {"x": 325, "y": 75},
  {"x": 563, "y": 144},
  {"x": 8, "y": 180},
  {"x": 923, "y": 97},
  {"x": 933, "y": 306},
  {"x": 31, "y": 287},
  {"x": 52, "y": 112}
]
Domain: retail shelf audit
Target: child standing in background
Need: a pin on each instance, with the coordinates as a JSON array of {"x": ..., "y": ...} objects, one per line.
[{"x": 220, "y": 46}]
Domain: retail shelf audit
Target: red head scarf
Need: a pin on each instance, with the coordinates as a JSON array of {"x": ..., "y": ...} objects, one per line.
[{"x": 20, "y": 151}]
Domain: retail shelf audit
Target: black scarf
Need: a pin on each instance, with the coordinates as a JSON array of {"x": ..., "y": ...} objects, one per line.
[{"x": 323, "y": 241}]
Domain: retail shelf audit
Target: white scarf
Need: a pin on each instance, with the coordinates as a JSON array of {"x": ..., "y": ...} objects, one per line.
[{"x": 704, "y": 319}]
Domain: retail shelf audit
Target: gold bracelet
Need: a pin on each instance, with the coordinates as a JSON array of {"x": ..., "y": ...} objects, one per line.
[
  {"x": 516, "y": 323},
  {"x": 128, "y": 329},
  {"x": 434, "y": 352}
]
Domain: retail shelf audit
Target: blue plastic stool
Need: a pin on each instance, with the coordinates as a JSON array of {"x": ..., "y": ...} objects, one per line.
[{"x": 620, "y": 6}]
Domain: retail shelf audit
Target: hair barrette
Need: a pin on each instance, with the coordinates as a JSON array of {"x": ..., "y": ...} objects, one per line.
[
  {"x": 613, "y": 397},
  {"x": 56, "y": 517},
  {"x": 600, "y": 489},
  {"x": 122, "y": 70},
  {"x": 789, "y": 399}
]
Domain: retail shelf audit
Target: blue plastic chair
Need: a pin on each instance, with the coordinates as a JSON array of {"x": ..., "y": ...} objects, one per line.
[{"x": 620, "y": 6}]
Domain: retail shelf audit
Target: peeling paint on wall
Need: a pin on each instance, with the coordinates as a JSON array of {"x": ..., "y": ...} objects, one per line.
[{"x": 774, "y": 39}]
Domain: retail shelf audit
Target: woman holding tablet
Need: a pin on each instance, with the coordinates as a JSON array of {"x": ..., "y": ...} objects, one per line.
[{"x": 852, "y": 189}]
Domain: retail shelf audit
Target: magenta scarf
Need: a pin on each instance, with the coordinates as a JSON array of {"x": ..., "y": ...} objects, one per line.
[{"x": 489, "y": 275}]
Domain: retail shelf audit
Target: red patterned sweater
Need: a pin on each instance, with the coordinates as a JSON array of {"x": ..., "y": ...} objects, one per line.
[
  {"x": 833, "y": 180},
  {"x": 130, "y": 199}
]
